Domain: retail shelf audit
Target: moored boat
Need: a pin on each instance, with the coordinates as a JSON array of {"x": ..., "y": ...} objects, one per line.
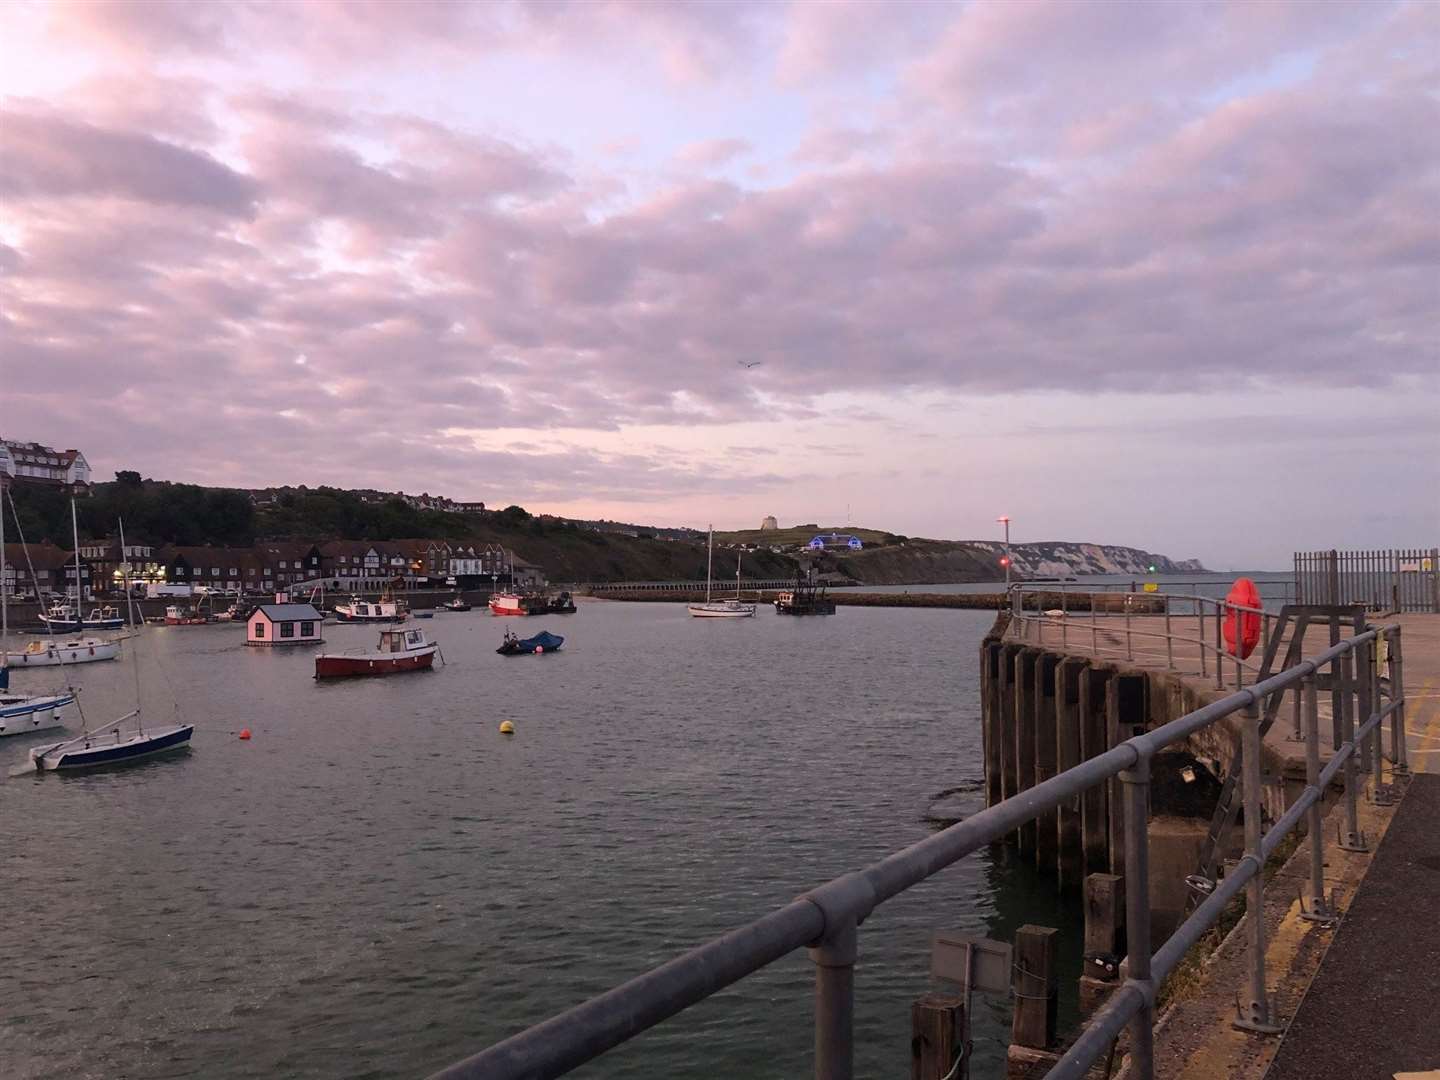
[
  {"x": 65, "y": 618},
  {"x": 185, "y": 616},
  {"x": 110, "y": 745},
  {"x": 729, "y": 608},
  {"x": 22, "y": 713},
  {"x": 804, "y": 599},
  {"x": 560, "y": 604},
  {"x": 399, "y": 650},
  {"x": 542, "y": 642},
  {"x": 517, "y": 603},
  {"x": 384, "y": 610},
  {"x": 62, "y": 651},
  {"x": 456, "y": 603}
]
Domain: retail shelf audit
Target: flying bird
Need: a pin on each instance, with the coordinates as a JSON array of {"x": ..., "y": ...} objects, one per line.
[{"x": 749, "y": 364}]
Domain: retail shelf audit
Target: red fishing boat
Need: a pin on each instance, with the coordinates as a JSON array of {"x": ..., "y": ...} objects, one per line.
[
  {"x": 399, "y": 650},
  {"x": 514, "y": 603}
]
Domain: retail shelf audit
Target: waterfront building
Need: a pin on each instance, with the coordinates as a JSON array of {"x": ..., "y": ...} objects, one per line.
[
  {"x": 108, "y": 562},
  {"x": 284, "y": 564},
  {"x": 54, "y": 569},
  {"x": 220, "y": 569},
  {"x": 284, "y": 624},
  {"x": 35, "y": 463}
]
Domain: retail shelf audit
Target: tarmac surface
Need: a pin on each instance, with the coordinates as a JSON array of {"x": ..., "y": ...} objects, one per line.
[{"x": 1371, "y": 1010}]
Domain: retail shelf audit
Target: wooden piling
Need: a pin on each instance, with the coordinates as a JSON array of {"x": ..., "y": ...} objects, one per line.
[
  {"x": 1009, "y": 777},
  {"x": 1104, "y": 938},
  {"x": 1032, "y": 1032},
  {"x": 991, "y": 714},
  {"x": 1094, "y": 801},
  {"x": 1025, "y": 736},
  {"x": 1067, "y": 743},
  {"x": 938, "y": 1037},
  {"x": 1047, "y": 825}
]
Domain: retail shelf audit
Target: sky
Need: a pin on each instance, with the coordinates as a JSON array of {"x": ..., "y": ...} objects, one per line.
[{"x": 1163, "y": 275}]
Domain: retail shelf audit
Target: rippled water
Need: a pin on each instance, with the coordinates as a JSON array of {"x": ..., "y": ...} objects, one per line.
[{"x": 379, "y": 883}]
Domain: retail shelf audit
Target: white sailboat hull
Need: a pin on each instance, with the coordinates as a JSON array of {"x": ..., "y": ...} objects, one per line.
[
  {"x": 722, "y": 609},
  {"x": 85, "y": 651},
  {"x": 20, "y": 715}
]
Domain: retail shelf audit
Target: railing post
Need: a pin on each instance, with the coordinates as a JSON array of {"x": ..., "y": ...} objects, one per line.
[
  {"x": 1320, "y": 910},
  {"x": 1094, "y": 627},
  {"x": 1379, "y": 793},
  {"x": 1354, "y": 839},
  {"x": 1219, "y": 649},
  {"x": 834, "y": 959},
  {"x": 1129, "y": 641},
  {"x": 1135, "y": 783},
  {"x": 1257, "y": 1016},
  {"x": 1200, "y": 637},
  {"x": 1399, "y": 752},
  {"x": 1169, "y": 642}
]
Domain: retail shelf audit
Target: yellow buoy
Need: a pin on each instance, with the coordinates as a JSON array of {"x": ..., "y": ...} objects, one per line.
[{"x": 507, "y": 728}]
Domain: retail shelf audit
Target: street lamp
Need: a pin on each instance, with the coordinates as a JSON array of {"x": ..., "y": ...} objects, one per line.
[{"x": 1005, "y": 520}]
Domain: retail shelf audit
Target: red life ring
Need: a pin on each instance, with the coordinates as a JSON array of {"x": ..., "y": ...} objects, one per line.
[{"x": 1244, "y": 625}]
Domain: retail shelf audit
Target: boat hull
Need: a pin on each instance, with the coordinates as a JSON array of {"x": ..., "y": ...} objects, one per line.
[
  {"x": 67, "y": 626},
  {"x": 719, "y": 611},
  {"x": 20, "y": 716},
  {"x": 341, "y": 667},
  {"x": 78, "y": 653},
  {"x": 542, "y": 642},
  {"x": 345, "y": 616},
  {"x": 103, "y": 752}
]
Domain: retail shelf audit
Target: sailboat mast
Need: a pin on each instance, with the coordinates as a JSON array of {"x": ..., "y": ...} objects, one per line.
[
  {"x": 738, "y": 557},
  {"x": 79, "y": 594},
  {"x": 130, "y": 622},
  {"x": 4, "y": 588},
  {"x": 709, "y": 562}
]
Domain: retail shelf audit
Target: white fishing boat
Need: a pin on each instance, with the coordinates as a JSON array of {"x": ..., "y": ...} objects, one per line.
[
  {"x": 728, "y": 608},
  {"x": 20, "y": 713},
  {"x": 118, "y": 742}
]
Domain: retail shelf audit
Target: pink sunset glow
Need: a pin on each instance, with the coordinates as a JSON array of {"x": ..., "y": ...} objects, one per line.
[{"x": 1064, "y": 259}]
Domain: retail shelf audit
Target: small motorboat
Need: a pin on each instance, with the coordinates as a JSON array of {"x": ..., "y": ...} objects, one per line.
[
  {"x": 399, "y": 650},
  {"x": 560, "y": 604},
  {"x": 51, "y": 653},
  {"x": 456, "y": 603},
  {"x": 109, "y": 745},
  {"x": 423, "y": 614},
  {"x": 542, "y": 642}
]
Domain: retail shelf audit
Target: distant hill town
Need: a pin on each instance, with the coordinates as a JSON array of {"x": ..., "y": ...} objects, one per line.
[{"x": 227, "y": 529}]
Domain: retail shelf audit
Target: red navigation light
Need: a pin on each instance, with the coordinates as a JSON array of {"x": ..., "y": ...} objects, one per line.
[{"x": 1004, "y": 560}]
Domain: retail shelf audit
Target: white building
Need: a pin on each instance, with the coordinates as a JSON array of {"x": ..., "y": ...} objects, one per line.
[{"x": 33, "y": 463}]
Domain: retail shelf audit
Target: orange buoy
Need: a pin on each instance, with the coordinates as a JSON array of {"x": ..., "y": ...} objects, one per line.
[
  {"x": 244, "y": 733},
  {"x": 1241, "y": 629},
  {"x": 539, "y": 649}
]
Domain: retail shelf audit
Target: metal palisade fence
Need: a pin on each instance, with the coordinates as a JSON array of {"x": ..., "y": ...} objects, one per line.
[{"x": 1394, "y": 579}]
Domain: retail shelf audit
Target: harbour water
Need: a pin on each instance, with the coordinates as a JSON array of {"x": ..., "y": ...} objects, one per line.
[{"x": 378, "y": 882}]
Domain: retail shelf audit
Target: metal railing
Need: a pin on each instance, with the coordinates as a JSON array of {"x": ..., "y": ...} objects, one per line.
[
  {"x": 1394, "y": 579},
  {"x": 1187, "y": 631},
  {"x": 826, "y": 920}
]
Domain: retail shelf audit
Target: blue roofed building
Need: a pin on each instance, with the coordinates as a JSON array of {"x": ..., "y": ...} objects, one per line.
[{"x": 835, "y": 542}]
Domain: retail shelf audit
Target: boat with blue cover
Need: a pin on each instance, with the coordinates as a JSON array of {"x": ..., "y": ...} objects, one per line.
[{"x": 542, "y": 642}]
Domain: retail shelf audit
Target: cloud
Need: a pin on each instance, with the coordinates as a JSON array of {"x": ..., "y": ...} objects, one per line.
[
  {"x": 43, "y": 155},
  {"x": 994, "y": 203}
]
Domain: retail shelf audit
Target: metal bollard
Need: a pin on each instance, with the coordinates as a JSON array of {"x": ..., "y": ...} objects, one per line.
[
  {"x": 1354, "y": 839},
  {"x": 1256, "y": 1017},
  {"x": 1320, "y": 910},
  {"x": 1135, "y": 783},
  {"x": 835, "y": 1003}
]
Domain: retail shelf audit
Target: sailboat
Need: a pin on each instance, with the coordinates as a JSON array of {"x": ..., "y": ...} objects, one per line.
[
  {"x": 76, "y": 649},
  {"x": 20, "y": 713},
  {"x": 114, "y": 743},
  {"x": 729, "y": 608}
]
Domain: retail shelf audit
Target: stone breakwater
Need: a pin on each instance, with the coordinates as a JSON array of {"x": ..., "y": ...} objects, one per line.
[{"x": 1112, "y": 602}]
